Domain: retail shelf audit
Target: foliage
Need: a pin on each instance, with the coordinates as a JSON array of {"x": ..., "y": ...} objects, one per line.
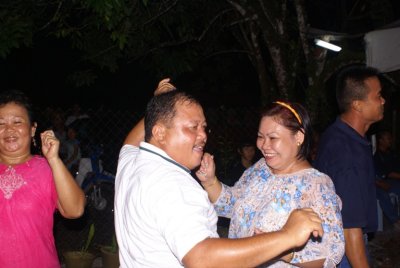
[
  {"x": 114, "y": 244},
  {"x": 179, "y": 37},
  {"x": 89, "y": 238},
  {"x": 15, "y": 27}
]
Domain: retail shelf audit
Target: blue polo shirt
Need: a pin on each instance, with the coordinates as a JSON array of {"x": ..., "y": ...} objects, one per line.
[{"x": 347, "y": 158}]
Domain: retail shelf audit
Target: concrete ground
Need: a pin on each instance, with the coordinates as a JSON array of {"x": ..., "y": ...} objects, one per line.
[{"x": 384, "y": 248}]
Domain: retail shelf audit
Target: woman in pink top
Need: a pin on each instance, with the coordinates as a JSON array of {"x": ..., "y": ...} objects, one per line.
[{"x": 32, "y": 188}]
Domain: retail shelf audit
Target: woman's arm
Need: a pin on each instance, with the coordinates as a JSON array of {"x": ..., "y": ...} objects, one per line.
[
  {"x": 206, "y": 175},
  {"x": 327, "y": 205},
  {"x": 136, "y": 135},
  {"x": 71, "y": 199}
]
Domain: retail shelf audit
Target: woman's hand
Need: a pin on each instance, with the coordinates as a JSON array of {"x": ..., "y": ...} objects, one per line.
[
  {"x": 206, "y": 172},
  {"x": 164, "y": 86},
  {"x": 50, "y": 144}
]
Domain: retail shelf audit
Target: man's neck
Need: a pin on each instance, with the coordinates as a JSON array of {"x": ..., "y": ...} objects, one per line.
[{"x": 355, "y": 122}]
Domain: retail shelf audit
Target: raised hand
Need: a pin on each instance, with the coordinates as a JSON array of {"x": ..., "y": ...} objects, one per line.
[
  {"x": 50, "y": 144},
  {"x": 206, "y": 170},
  {"x": 164, "y": 86}
]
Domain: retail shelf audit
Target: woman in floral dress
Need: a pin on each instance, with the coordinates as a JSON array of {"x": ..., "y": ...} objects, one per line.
[{"x": 280, "y": 182}]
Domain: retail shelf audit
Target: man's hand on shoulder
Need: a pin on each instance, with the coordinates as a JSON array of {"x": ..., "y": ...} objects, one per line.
[{"x": 301, "y": 224}]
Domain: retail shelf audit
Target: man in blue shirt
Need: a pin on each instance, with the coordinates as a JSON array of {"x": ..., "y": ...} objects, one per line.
[{"x": 345, "y": 154}]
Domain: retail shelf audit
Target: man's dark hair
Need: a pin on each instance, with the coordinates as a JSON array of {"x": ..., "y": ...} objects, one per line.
[
  {"x": 351, "y": 85},
  {"x": 162, "y": 108}
]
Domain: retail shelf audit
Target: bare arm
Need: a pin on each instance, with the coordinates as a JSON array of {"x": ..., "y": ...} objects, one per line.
[
  {"x": 288, "y": 256},
  {"x": 355, "y": 248},
  {"x": 255, "y": 250},
  {"x": 136, "y": 135},
  {"x": 71, "y": 199}
]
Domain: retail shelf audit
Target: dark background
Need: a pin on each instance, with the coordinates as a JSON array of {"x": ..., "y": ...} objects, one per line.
[{"x": 42, "y": 70}]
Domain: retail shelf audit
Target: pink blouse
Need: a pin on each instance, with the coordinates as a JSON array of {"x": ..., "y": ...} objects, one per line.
[{"x": 28, "y": 200}]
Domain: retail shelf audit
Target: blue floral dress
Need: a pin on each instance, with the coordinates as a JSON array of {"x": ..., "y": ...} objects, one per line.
[{"x": 262, "y": 200}]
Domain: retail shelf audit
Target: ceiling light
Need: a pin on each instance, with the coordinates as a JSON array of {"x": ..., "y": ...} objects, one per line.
[{"x": 327, "y": 45}]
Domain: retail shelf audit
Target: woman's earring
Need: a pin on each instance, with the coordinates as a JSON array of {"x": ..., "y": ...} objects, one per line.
[
  {"x": 298, "y": 143},
  {"x": 34, "y": 141}
]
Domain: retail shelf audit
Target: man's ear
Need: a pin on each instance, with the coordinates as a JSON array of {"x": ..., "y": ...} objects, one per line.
[
  {"x": 158, "y": 132},
  {"x": 357, "y": 105}
]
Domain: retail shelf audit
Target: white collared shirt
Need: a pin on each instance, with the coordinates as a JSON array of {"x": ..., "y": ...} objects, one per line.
[{"x": 161, "y": 212}]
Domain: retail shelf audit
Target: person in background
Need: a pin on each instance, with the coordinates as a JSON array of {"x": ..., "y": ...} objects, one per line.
[
  {"x": 280, "y": 182},
  {"x": 345, "y": 154},
  {"x": 32, "y": 188},
  {"x": 75, "y": 114},
  {"x": 56, "y": 123},
  {"x": 82, "y": 124},
  {"x": 58, "y": 126},
  {"x": 387, "y": 166},
  {"x": 72, "y": 149},
  {"x": 246, "y": 152},
  {"x": 163, "y": 217}
]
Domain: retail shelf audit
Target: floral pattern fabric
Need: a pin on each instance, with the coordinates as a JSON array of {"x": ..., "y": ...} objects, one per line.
[{"x": 262, "y": 200}]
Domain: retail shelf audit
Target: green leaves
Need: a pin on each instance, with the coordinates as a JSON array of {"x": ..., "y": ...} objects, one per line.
[
  {"x": 15, "y": 30},
  {"x": 114, "y": 244},
  {"x": 89, "y": 238}
]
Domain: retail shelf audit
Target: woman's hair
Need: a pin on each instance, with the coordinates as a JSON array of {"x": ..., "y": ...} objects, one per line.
[
  {"x": 17, "y": 97},
  {"x": 161, "y": 108},
  {"x": 294, "y": 117}
]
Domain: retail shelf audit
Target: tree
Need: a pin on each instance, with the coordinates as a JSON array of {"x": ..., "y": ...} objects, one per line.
[{"x": 179, "y": 36}]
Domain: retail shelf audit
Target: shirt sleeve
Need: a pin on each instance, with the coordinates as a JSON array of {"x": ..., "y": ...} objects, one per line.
[{"x": 323, "y": 200}]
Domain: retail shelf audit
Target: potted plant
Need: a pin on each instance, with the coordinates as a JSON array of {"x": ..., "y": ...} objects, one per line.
[
  {"x": 109, "y": 254},
  {"x": 81, "y": 258}
]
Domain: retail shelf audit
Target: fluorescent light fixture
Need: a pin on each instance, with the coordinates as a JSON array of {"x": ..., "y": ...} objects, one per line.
[{"x": 327, "y": 45}]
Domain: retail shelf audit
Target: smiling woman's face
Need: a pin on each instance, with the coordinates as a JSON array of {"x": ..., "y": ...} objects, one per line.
[
  {"x": 278, "y": 145},
  {"x": 16, "y": 130}
]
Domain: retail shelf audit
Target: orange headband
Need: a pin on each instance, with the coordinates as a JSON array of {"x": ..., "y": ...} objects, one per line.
[{"x": 291, "y": 109}]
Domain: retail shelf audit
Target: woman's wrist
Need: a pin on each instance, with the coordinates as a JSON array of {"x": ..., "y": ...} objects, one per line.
[
  {"x": 288, "y": 257},
  {"x": 211, "y": 184},
  {"x": 291, "y": 257}
]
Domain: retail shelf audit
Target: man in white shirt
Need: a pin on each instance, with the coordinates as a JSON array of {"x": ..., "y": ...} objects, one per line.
[{"x": 163, "y": 216}]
